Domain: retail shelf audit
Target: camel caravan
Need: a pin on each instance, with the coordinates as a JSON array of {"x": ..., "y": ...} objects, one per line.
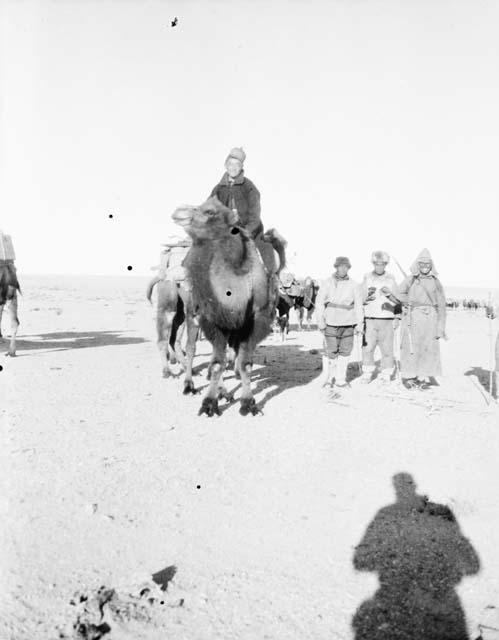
[
  {"x": 9, "y": 288},
  {"x": 228, "y": 279}
]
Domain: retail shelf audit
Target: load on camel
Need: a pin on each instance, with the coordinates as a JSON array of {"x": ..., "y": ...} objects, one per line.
[
  {"x": 298, "y": 294},
  {"x": 234, "y": 291},
  {"x": 174, "y": 311},
  {"x": 9, "y": 286}
]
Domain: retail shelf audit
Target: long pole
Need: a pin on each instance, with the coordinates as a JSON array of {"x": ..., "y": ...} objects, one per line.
[
  {"x": 398, "y": 265},
  {"x": 409, "y": 318},
  {"x": 491, "y": 344}
]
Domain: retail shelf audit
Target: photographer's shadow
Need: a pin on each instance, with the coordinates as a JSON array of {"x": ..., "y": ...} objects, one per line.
[{"x": 420, "y": 555}]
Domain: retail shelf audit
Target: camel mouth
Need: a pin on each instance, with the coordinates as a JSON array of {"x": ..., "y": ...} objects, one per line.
[{"x": 183, "y": 217}]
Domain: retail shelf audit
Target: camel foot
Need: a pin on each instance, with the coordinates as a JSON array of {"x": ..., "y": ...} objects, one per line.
[
  {"x": 189, "y": 388},
  {"x": 10, "y": 354},
  {"x": 248, "y": 405},
  {"x": 210, "y": 407}
]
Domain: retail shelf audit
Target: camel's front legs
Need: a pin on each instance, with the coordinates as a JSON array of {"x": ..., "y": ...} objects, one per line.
[
  {"x": 244, "y": 364},
  {"x": 217, "y": 366}
]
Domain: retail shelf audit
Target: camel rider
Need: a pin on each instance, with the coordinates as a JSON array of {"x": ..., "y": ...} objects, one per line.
[
  {"x": 340, "y": 316},
  {"x": 381, "y": 318},
  {"x": 238, "y": 193}
]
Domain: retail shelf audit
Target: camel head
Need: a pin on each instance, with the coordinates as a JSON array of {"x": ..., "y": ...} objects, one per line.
[{"x": 210, "y": 221}]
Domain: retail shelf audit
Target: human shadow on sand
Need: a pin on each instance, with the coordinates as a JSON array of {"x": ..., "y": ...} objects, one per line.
[
  {"x": 483, "y": 376},
  {"x": 420, "y": 555},
  {"x": 64, "y": 340}
]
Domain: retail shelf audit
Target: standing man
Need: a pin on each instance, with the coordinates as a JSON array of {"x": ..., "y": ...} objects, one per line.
[
  {"x": 423, "y": 323},
  {"x": 238, "y": 193},
  {"x": 381, "y": 318},
  {"x": 340, "y": 317}
]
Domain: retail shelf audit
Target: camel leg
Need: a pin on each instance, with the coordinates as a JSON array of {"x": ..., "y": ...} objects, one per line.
[
  {"x": 244, "y": 363},
  {"x": 14, "y": 323},
  {"x": 164, "y": 325},
  {"x": 1, "y": 313},
  {"x": 300, "y": 318},
  {"x": 192, "y": 328},
  {"x": 310, "y": 313},
  {"x": 177, "y": 331},
  {"x": 15, "y": 326},
  {"x": 217, "y": 366}
]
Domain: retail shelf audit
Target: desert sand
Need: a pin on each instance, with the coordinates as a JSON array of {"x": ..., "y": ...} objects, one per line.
[{"x": 109, "y": 477}]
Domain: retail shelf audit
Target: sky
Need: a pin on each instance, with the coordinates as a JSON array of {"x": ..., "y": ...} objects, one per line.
[{"x": 368, "y": 124}]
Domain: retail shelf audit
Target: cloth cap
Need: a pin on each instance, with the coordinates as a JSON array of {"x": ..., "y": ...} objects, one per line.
[
  {"x": 238, "y": 154},
  {"x": 424, "y": 256},
  {"x": 342, "y": 260},
  {"x": 380, "y": 256}
]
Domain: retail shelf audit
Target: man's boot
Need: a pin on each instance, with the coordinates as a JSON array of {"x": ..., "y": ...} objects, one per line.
[
  {"x": 385, "y": 376},
  {"x": 341, "y": 372},
  {"x": 328, "y": 371}
]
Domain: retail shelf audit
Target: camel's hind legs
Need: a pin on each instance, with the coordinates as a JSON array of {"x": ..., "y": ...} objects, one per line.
[
  {"x": 164, "y": 324},
  {"x": 192, "y": 327}
]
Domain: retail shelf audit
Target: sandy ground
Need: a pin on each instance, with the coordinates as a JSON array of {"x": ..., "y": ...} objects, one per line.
[{"x": 109, "y": 476}]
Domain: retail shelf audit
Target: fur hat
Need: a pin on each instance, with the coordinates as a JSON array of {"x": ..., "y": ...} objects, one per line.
[
  {"x": 237, "y": 153},
  {"x": 342, "y": 260},
  {"x": 380, "y": 256}
]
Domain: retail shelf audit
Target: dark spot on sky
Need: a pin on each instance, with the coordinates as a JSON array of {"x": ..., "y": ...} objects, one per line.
[
  {"x": 174, "y": 22},
  {"x": 228, "y": 293},
  {"x": 110, "y": 215},
  {"x": 1, "y": 368},
  {"x": 198, "y": 486},
  {"x": 129, "y": 267}
]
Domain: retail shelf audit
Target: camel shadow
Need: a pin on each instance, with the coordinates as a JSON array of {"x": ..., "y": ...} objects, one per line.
[
  {"x": 64, "y": 340},
  {"x": 420, "y": 555},
  {"x": 279, "y": 368},
  {"x": 483, "y": 376}
]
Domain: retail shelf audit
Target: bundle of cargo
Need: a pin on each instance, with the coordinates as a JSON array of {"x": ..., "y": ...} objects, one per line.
[
  {"x": 171, "y": 258},
  {"x": 7, "y": 253},
  {"x": 286, "y": 278},
  {"x": 289, "y": 284}
]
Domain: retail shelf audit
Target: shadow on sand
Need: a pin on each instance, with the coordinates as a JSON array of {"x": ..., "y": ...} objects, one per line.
[
  {"x": 64, "y": 340},
  {"x": 483, "y": 376},
  {"x": 276, "y": 369},
  {"x": 420, "y": 555}
]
